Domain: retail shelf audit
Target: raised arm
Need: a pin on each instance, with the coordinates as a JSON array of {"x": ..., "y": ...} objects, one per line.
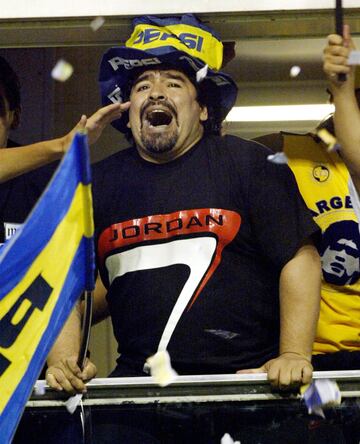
[
  {"x": 347, "y": 114},
  {"x": 16, "y": 161}
]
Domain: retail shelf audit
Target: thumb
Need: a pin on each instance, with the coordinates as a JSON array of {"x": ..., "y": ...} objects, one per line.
[
  {"x": 346, "y": 35},
  {"x": 82, "y": 123},
  {"x": 89, "y": 370},
  {"x": 80, "y": 126},
  {"x": 125, "y": 105},
  {"x": 348, "y": 41}
]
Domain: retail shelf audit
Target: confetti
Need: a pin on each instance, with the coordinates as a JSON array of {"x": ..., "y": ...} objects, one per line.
[
  {"x": 322, "y": 393},
  {"x": 62, "y": 71},
  {"x": 328, "y": 139},
  {"x": 97, "y": 23},
  {"x": 227, "y": 439},
  {"x": 202, "y": 73},
  {"x": 295, "y": 71},
  {"x": 39, "y": 388},
  {"x": 72, "y": 403},
  {"x": 279, "y": 158},
  {"x": 354, "y": 58},
  {"x": 160, "y": 368}
]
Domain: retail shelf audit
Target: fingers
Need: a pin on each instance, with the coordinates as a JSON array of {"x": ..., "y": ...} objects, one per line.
[
  {"x": 296, "y": 376},
  {"x": 334, "y": 39},
  {"x": 66, "y": 375},
  {"x": 284, "y": 372},
  {"x": 82, "y": 123},
  {"x": 285, "y": 378},
  {"x": 52, "y": 381},
  {"x": 63, "y": 376},
  {"x": 335, "y": 58},
  {"x": 336, "y": 53},
  {"x": 278, "y": 377},
  {"x": 109, "y": 113},
  {"x": 346, "y": 35},
  {"x": 307, "y": 374},
  {"x": 287, "y": 372},
  {"x": 333, "y": 68},
  {"x": 102, "y": 117},
  {"x": 95, "y": 124},
  {"x": 125, "y": 106},
  {"x": 89, "y": 371}
]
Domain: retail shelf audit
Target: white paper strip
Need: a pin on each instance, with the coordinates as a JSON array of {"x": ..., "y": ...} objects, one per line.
[{"x": 354, "y": 58}]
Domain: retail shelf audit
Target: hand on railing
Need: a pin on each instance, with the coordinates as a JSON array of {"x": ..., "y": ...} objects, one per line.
[
  {"x": 67, "y": 375},
  {"x": 288, "y": 370}
]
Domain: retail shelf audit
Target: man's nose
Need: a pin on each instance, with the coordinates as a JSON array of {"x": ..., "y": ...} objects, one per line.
[{"x": 157, "y": 92}]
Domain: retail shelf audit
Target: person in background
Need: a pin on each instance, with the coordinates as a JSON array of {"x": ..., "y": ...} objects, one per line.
[
  {"x": 10, "y": 103},
  {"x": 204, "y": 247},
  {"x": 328, "y": 176},
  {"x": 19, "y": 191}
]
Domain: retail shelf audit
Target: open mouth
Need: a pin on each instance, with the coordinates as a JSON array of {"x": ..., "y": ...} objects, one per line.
[{"x": 159, "y": 117}]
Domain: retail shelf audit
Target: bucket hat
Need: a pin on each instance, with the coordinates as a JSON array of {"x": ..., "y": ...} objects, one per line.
[{"x": 182, "y": 43}]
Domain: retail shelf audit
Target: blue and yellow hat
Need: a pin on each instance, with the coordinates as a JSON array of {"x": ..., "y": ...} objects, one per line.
[{"x": 183, "y": 43}]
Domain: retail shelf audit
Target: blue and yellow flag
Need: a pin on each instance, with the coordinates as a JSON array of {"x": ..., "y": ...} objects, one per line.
[{"x": 43, "y": 270}]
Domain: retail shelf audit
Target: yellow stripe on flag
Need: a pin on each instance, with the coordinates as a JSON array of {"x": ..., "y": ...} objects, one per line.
[{"x": 53, "y": 264}]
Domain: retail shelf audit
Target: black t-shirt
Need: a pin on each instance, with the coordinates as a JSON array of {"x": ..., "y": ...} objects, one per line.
[
  {"x": 191, "y": 253},
  {"x": 19, "y": 195}
]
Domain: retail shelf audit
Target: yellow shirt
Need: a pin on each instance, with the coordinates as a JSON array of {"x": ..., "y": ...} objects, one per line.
[{"x": 323, "y": 180}]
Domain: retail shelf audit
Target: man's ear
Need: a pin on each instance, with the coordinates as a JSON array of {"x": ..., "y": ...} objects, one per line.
[
  {"x": 204, "y": 113},
  {"x": 15, "y": 118}
]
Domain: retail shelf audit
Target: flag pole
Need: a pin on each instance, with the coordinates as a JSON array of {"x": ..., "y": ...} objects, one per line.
[
  {"x": 85, "y": 328},
  {"x": 339, "y": 27}
]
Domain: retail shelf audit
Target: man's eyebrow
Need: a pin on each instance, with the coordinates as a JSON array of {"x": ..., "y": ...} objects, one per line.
[
  {"x": 175, "y": 76},
  {"x": 142, "y": 77},
  {"x": 168, "y": 75}
]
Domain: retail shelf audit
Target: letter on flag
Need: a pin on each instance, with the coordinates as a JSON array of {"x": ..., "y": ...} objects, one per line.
[{"x": 44, "y": 269}]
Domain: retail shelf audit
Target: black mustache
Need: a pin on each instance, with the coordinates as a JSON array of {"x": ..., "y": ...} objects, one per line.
[{"x": 163, "y": 103}]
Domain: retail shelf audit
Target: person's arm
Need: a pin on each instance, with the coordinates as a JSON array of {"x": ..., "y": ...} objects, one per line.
[
  {"x": 300, "y": 282},
  {"x": 63, "y": 372},
  {"x": 347, "y": 114},
  {"x": 16, "y": 161}
]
